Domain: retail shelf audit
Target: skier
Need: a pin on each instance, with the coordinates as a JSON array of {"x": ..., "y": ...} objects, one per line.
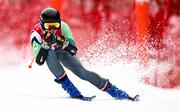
[{"x": 52, "y": 41}]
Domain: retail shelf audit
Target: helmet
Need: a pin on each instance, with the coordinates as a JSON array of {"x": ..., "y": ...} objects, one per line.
[{"x": 49, "y": 15}]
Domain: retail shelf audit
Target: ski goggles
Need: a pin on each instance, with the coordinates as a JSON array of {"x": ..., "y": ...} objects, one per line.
[{"x": 54, "y": 25}]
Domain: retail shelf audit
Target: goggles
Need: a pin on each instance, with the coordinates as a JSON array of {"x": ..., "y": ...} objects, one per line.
[{"x": 54, "y": 25}]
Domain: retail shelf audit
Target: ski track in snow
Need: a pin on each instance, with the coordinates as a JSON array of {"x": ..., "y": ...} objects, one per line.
[{"x": 33, "y": 90}]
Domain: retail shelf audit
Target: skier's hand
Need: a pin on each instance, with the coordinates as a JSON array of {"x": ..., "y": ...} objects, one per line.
[
  {"x": 61, "y": 40},
  {"x": 71, "y": 49},
  {"x": 48, "y": 38}
]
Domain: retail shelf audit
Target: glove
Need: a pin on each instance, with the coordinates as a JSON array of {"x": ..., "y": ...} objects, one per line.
[
  {"x": 49, "y": 38},
  {"x": 71, "y": 49},
  {"x": 60, "y": 40}
]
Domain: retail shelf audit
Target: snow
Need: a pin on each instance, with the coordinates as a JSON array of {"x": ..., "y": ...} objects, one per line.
[{"x": 33, "y": 90}]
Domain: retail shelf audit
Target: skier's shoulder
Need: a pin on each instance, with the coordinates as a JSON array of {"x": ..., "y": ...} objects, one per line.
[
  {"x": 36, "y": 33},
  {"x": 64, "y": 25},
  {"x": 63, "y": 22},
  {"x": 37, "y": 29},
  {"x": 37, "y": 26}
]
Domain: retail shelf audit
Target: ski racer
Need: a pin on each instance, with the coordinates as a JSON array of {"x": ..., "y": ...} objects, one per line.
[{"x": 52, "y": 41}]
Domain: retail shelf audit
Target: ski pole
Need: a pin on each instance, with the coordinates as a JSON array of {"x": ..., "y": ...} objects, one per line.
[{"x": 30, "y": 65}]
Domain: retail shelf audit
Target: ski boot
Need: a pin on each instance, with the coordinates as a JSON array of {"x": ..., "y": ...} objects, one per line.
[
  {"x": 119, "y": 94},
  {"x": 68, "y": 86}
]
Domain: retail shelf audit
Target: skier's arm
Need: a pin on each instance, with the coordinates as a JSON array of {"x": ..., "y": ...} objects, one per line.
[
  {"x": 71, "y": 47},
  {"x": 39, "y": 52},
  {"x": 66, "y": 31}
]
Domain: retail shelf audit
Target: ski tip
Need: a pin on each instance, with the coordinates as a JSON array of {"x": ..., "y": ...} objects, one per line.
[
  {"x": 88, "y": 98},
  {"x": 135, "y": 98},
  {"x": 91, "y": 98},
  {"x": 94, "y": 96}
]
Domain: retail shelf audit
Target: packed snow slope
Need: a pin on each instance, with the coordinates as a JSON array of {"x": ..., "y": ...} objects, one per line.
[{"x": 33, "y": 90}]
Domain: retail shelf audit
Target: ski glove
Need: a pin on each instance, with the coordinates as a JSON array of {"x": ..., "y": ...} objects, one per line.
[
  {"x": 41, "y": 57},
  {"x": 49, "y": 38},
  {"x": 71, "y": 49},
  {"x": 61, "y": 41}
]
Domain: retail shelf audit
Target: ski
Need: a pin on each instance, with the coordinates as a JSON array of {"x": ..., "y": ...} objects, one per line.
[
  {"x": 86, "y": 98},
  {"x": 135, "y": 98}
]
